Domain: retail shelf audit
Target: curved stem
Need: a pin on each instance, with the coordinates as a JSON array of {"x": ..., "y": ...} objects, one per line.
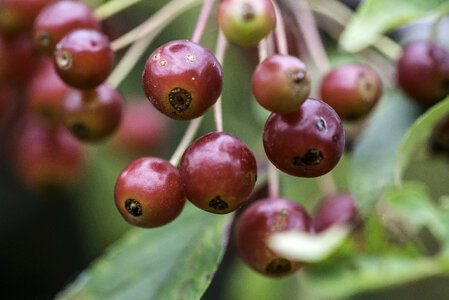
[
  {"x": 112, "y": 7},
  {"x": 434, "y": 32},
  {"x": 219, "y": 53},
  {"x": 194, "y": 125},
  {"x": 281, "y": 36},
  {"x": 159, "y": 20},
  {"x": 202, "y": 20}
]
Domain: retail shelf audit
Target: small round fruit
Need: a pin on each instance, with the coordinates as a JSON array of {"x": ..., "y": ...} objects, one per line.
[
  {"x": 148, "y": 192},
  {"x": 182, "y": 79},
  {"x": 84, "y": 58},
  {"x": 57, "y": 19},
  {"x": 337, "y": 209},
  {"x": 218, "y": 172},
  {"x": 47, "y": 158},
  {"x": 281, "y": 83},
  {"x": 423, "y": 72},
  {"x": 351, "y": 90},
  {"x": 92, "y": 115},
  {"x": 45, "y": 93},
  {"x": 258, "y": 223},
  {"x": 306, "y": 143},
  {"x": 143, "y": 128},
  {"x": 246, "y": 22},
  {"x": 18, "y": 15}
]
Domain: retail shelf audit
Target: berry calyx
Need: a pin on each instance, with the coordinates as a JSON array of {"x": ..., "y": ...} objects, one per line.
[
  {"x": 182, "y": 79},
  {"x": 336, "y": 209},
  {"x": 423, "y": 72},
  {"x": 218, "y": 172},
  {"x": 148, "y": 192},
  {"x": 281, "y": 83},
  {"x": 351, "y": 90},
  {"x": 83, "y": 58},
  {"x": 258, "y": 223},
  {"x": 306, "y": 143},
  {"x": 246, "y": 22}
]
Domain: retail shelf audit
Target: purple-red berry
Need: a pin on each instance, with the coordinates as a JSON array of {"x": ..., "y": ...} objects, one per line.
[{"x": 336, "y": 209}]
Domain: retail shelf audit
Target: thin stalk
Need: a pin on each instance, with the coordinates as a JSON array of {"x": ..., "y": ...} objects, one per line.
[
  {"x": 219, "y": 53},
  {"x": 160, "y": 19},
  {"x": 110, "y": 8},
  {"x": 202, "y": 20},
  {"x": 194, "y": 125},
  {"x": 434, "y": 31},
  {"x": 281, "y": 36}
]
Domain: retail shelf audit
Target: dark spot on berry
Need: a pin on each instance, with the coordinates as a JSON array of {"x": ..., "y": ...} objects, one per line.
[
  {"x": 218, "y": 204},
  {"x": 296, "y": 76},
  {"x": 335, "y": 138},
  {"x": 179, "y": 99},
  {"x": 133, "y": 207},
  {"x": 248, "y": 12},
  {"x": 278, "y": 266},
  {"x": 321, "y": 124},
  {"x": 44, "y": 39},
  {"x": 79, "y": 130},
  {"x": 93, "y": 43},
  {"x": 313, "y": 157},
  {"x": 64, "y": 59}
]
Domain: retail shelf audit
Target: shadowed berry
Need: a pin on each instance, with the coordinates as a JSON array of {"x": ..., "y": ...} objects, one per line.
[{"x": 337, "y": 209}]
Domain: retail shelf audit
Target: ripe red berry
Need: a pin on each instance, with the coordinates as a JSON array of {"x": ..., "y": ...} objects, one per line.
[
  {"x": 218, "y": 172},
  {"x": 148, "y": 192},
  {"x": 143, "y": 128},
  {"x": 182, "y": 79},
  {"x": 92, "y": 115},
  {"x": 351, "y": 90},
  {"x": 45, "y": 93},
  {"x": 423, "y": 72},
  {"x": 245, "y": 22},
  {"x": 258, "y": 223},
  {"x": 57, "y": 19},
  {"x": 281, "y": 83},
  {"x": 47, "y": 158},
  {"x": 306, "y": 143},
  {"x": 18, "y": 15},
  {"x": 337, "y": 209},
  {"x": 83, "y": 58}
]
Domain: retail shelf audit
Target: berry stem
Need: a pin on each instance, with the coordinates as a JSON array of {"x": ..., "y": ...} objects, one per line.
[
  {"x": 112, "y": 7},
  {"x": 281, "y": 36},
  {"x": 434, "y": 31},
  {"x": 273, "y": 181},
  {"x": 194, "y": 125},
  {"x": 219, "y": 53},
  {"x": 202, "y": 20},
  {"x": 157, "y": 21}
]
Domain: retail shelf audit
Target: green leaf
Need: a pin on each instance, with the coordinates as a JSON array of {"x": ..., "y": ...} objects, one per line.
[
  {"x": 375, "y": 17},
  {"x": 176, "y": 261},
  {"x": 374, "y": 155},
  {"x": 417, "y": 134}
]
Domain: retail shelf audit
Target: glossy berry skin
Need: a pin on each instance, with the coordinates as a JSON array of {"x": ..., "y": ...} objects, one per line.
[
  {"x": 306, "y": 143},
  {"x": 281, "y": 83},
  {"x": 143, "y": 129},
  {"x": 182, "y": 79},
  {"x": 351, "y": 90},
  {"x": 84, "y": 58},
  {"x": 218, "y": 172},
  {"x": 57, "y": 19},
  {"x": 92, "y": 115},
  {"x": 18, "y": 15},
  {"x": 47, "y": 158},
  {"x": 148, "y": 192},
  {"x": 423, "y": 72},
  {"x": 336, "y": 209},
  {"x": 258, "y": 223},
  {"x": 45, "y": 93},
  {"x": 246, "y": 22}
]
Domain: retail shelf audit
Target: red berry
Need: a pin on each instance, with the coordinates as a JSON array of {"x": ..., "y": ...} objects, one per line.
[
  {"x": 148, "y": 192},
  {"x": 143, "y": 128},
  {"x": 83, "y": 58},
  {"x": 337, "y": 209},
  {"x": 306, "y": 143},
  {"x": 58, "y": 19},
  {"x": 423, "y": 72},
  {"x": 246, "y": 22},
  {"x": 45, "y": 93},
  {"x": 281, "y": 83},
  {"x": 18, "y": 15},
  {"x": 92, "y": 115},
  {"x": 351, "y": 90},
  {"x": 182, "y": 79},
  {"x": 258, "y": 223},
  {"x": 218, "y": 172},
  {"x": 47, "y": 158}
]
